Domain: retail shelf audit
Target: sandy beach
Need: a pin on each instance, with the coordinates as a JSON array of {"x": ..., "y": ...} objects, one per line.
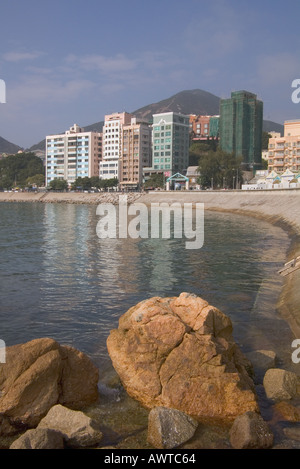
[{"x": 280, "y": 207}]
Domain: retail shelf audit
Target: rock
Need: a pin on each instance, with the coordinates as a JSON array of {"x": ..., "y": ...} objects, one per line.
[
  {"x": 40, "y": 438},
  {"x": 179, "y": 353},
  {"x": 292, "y": 432},
  {"x": 169, "y": 428},
  {"x": 76, "y": 427},
  {"x": 40, "y": 374},
  {"x": 250, "y": 431},
  {"x": 262, "y": 360},
  {"x": 280, "y": 384},
  {"x": 287, "y": 411},
  {"x": 79, "y": 384}
]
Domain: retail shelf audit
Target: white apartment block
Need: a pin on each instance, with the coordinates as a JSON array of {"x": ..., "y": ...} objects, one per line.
[
  {"x": 112, "y": 140},
  {"x": 74, "y": 154}
]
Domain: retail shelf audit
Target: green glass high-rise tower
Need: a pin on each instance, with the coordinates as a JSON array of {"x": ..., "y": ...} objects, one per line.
[{"x": 241, "y": 121}]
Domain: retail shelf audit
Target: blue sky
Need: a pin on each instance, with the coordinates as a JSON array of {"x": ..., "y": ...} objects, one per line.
[{"x": 67, "y": 62}]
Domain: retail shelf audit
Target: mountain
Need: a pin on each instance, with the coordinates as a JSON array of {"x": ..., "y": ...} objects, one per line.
[
  {"x": 8, "y": 147},
  {"x": 269, "y": 126},
  {"x": 197, "y": 102}
]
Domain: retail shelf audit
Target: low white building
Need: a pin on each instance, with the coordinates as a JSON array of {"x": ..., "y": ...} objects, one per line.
[{"x": 273, "y": 180}]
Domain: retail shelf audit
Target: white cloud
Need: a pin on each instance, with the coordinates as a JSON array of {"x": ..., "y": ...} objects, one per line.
[
  {"x": 16, "y": 56},
  {"x": 105, "y": 65},
  {"x": 44, "y": 89}
]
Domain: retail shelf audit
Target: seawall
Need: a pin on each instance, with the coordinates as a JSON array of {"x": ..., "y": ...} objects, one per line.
[{"x": 274, "y": 206}]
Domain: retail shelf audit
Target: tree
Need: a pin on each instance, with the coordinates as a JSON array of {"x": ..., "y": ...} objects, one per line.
[
  {"x": 58, "y": 184},
  {"x": 219, "y": 169},
  {"x": 38, "y": 180},
  {"x": 196, "y": 151},
  {"x": 16, "y": 169},
  {"x": 265, "y": 140},
  {"x": 155, "y": 180},
  {"x": 113, "y": 182},
  {"x": 95, "y": 182}
]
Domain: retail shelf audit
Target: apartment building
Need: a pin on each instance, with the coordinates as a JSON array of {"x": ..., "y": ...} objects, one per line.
[
  {"x": 284, "y": 152},
  {"x": 135, "y": 153},
  {"x": 170, "y": 143},
  {"x": 74, "y": 154},
  {"x": 199, "y": 126},
  {"x": 112, "y": 144},
  {"x": 241, "y": 121},
  {"x": 203, "y": 127}
]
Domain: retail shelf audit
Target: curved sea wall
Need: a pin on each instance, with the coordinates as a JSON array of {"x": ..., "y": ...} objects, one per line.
[{"x": 273, "y": 205}]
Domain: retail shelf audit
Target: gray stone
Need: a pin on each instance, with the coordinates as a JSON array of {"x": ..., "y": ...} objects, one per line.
[
  {"x": 250, "y": 431},
  {"x": 280, "y": 384},
  {"x": 169, "y": 428},
  {"x": 39, "y": 438},
  {"x": 76, "y": 427},
  {"x": 262, "y": 360}
]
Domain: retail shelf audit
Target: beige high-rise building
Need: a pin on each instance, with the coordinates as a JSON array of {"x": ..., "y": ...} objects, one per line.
[
  {"x": 284, "y": 152},
  {"x": 135, "y": 153}
]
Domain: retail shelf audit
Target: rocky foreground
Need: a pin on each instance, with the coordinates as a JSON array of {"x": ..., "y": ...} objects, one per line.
[{"x": 174, "y": 356}]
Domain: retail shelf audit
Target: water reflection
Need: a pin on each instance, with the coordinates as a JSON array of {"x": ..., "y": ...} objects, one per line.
[{"x": 58, "y": 279}]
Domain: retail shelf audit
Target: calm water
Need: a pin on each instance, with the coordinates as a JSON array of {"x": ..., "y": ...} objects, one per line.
[{"x": 59, "y": 280}]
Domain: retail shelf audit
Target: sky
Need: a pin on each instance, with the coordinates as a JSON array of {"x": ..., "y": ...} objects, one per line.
[{"x": 65, "y": 62}]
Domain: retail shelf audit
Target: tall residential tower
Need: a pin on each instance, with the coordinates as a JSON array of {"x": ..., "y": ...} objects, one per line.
[
  {"x": 112, "y": 144},
  {"x": 170, "y": 148},
  {"x": 241, "y": 121}
]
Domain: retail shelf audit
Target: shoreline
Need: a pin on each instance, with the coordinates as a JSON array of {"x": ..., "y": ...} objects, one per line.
[{"x": 279, "y": 207}]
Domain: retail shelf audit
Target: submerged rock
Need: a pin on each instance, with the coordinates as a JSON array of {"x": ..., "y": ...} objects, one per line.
[
  {"x": 250, "y": 431},
  {"x": 39, "y": 438},
  {"x": 280, "y": 384},
  {"x": 169, "y": 428},
  {"x": 77, "y": 428},
  {"x": 179, "y": 353},
  {"x": 40, "y": 374},
  {"x": 262, "y": 360}
]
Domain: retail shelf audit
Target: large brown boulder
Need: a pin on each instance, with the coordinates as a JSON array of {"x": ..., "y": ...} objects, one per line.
[
  {"x": 179, "y": 353},
  {"x": 40, "y": 374}
]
